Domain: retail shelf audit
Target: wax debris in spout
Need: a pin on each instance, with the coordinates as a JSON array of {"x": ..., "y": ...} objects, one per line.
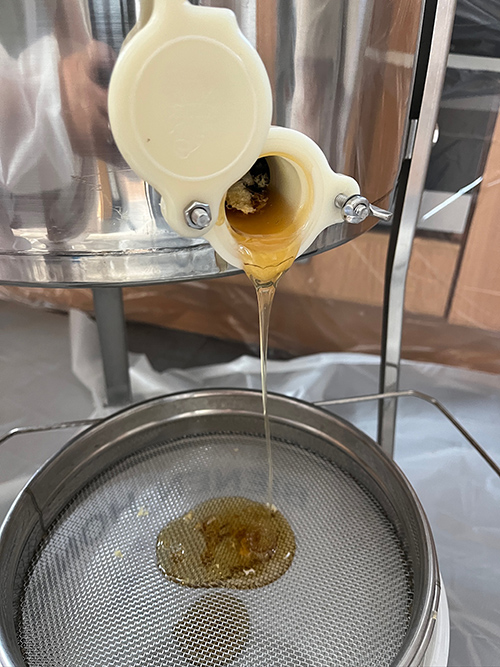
[{"x": 250, "y": 193}]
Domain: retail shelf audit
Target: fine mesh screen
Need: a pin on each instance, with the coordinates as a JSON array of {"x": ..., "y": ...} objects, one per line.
[{"x": 95, "y": 596}]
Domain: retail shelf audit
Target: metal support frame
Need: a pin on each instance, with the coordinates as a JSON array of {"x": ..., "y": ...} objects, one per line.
[
  {"x": 409, "y": 393},
  {"x": 27, "y": 430},
  {"x": 403, "y": 230},
  {"x": 110, "y": 319},
  {"x": 412, "y": 393}
]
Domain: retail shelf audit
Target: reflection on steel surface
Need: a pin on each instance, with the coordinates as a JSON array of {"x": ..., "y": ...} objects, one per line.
[{"x": 72, "y": 212}]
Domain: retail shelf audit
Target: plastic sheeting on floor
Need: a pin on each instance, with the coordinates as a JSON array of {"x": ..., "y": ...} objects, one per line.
[{"x": 460, "y": 493}]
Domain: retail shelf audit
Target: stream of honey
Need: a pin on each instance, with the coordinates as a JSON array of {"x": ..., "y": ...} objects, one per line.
[
  {"x": 268, "y": 243},
  {"x": 235, "y": 542}
]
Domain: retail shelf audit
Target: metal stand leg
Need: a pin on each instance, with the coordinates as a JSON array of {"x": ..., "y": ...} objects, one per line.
[
  {"x": 439, "y": 28},
  {"x": 110, "y": 318}
]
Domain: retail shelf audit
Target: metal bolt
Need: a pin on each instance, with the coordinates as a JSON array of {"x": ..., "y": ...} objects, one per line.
[
  {"x": 340, "y": 200},
  {"x": 198, "y": 215},
  {"x": 357, "y": 208},
  {"x": 361, "y": 212}
]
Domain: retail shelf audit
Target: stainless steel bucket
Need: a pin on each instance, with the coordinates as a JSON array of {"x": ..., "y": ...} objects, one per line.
[
  {"x": 80, "y": 584},
  {"x": 72, "y": 212}
]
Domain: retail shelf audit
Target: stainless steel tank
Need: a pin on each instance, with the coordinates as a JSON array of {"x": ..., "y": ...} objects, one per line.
[{"x": 73, "y": 213}]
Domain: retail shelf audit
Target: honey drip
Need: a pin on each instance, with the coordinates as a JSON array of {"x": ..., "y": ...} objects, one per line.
[
  {"x": 236, "y": 542},
  {"x": 265, "y": 296},
  {"x": 268, "y": 242}
]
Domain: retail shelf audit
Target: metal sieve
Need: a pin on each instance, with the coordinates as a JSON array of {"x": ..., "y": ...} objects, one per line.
[{"x": 80, "y": 584}]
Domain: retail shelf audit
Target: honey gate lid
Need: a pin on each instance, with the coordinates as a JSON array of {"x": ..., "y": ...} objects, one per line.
[{"x": 190, "y": 105}]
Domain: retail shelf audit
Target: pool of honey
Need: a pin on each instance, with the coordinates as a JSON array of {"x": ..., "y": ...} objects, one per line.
[{"x": 226, "y": 542}]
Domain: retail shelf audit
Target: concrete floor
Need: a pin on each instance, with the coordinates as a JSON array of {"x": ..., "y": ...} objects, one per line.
[{"x": 35, "y": 369}]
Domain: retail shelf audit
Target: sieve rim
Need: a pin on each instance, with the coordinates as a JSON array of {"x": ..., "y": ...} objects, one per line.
[{"x": 99, "y": 447}]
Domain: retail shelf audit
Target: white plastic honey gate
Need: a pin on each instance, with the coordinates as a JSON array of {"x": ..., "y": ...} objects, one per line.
[{"x": 190, "y": 108}]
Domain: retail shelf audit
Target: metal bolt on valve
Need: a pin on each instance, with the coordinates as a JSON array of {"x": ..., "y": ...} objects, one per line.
[
  {"x": 357, "y": 208},
  {"x": 198, "y": 215}
]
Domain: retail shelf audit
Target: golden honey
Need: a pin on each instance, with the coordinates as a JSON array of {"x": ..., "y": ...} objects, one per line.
[
  {"x": 236, "y": 542},
  {"x": 268, "y": 240},
  {"x": 226, "y": 542}
]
